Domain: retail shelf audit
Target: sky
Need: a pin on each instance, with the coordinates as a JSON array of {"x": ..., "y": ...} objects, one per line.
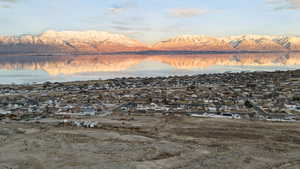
[{"x": 152, "y": 20}]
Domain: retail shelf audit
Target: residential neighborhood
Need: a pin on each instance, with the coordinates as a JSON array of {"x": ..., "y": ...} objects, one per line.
[
  {"x": 269, "y": 96},
  {"x": 213, "y": 121}
]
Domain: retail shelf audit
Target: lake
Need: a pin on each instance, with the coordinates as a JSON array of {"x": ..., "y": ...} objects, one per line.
[{"x": 38, "y": 69}]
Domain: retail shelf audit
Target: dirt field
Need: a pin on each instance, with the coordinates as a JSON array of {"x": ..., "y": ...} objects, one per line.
[{"x": 152, "y": 143}]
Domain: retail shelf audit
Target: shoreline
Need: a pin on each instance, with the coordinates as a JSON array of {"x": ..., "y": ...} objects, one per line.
[{"x": 149, "y": 77}]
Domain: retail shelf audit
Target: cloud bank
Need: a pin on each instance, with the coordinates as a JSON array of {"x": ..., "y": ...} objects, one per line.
[
  {"x": 285, "y": 4},
  {"x": 9, "y": 1},
  {"x": 186, "y": 12},
  {"x": 116, "y": 10}
]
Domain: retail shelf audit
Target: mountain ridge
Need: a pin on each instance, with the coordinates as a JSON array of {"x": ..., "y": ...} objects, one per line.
[
  {"x": 92, "y": 41},
  {"x": 231, "y": 43}
]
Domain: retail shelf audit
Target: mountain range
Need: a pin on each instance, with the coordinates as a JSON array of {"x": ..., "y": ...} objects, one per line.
[{"x": 104, "y": 42}]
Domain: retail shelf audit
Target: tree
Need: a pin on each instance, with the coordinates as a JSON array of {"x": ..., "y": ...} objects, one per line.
[{"x": 248, "y": 104}]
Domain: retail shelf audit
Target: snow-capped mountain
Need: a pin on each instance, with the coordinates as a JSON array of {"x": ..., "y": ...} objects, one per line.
[
  {"x": 194, "y": 42},
  {"x": 97, "y": 41},
  {"x": 233, "y": 43},
  {"x": 70, "y": 41}
]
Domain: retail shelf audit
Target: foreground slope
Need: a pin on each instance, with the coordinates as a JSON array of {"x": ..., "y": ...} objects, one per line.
[{"x": 152, "y": 142}]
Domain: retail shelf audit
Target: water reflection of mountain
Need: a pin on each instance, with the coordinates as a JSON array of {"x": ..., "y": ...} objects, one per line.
[{"x": 96, "y": 63}]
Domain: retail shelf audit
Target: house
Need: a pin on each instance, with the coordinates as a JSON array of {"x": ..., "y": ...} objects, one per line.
[{"x": 88, "y": 111}]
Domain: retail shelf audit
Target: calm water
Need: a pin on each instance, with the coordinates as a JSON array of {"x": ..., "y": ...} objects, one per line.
[{"x": 37, "y": 69}]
